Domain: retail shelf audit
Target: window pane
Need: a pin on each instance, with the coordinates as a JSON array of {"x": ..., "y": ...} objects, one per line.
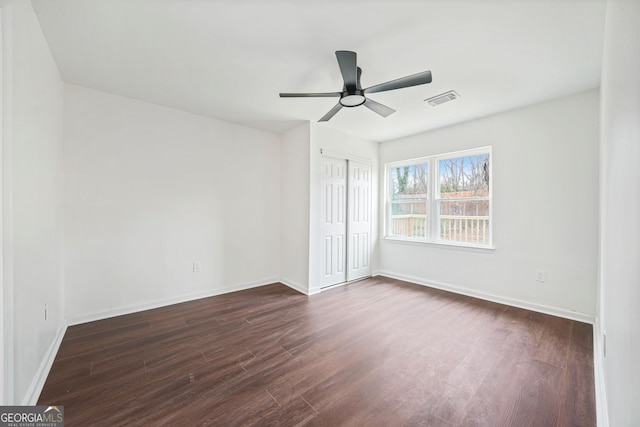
[
  {"x": 464, "y": 221},
  {"x": 466, "y": 176},
  {"x": 409, "y": 182},
  {"x": 409, "y": 219}
]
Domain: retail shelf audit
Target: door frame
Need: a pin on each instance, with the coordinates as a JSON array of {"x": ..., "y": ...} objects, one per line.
[{"x": 6, "y": 247}]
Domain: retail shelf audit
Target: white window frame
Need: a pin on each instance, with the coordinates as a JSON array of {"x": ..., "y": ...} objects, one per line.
[{"x": 433, "y": 199}]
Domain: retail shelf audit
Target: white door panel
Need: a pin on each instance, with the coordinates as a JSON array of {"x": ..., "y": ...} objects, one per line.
[
  {"x": 334, "y": 226},
  {"x": 359, "y": 224}
]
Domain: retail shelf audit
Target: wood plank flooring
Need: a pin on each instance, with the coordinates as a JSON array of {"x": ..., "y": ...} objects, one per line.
[{"x": 379, "y": 352}]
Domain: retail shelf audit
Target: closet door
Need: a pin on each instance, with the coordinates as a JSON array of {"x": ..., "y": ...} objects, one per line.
[
  {"x": 359, "y": 221},
  {"x": 334, "y": 225}
]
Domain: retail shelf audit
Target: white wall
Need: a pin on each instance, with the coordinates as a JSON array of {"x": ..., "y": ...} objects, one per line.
[
  {"x": 326, "y": 138},
  {"x": 32, "y": 164},
  {"x": 149, "y": 190},
  {"x": 620, "y": 211},
  {"x": 545, "y": 203},
  {"x": 294, "y": 217}
]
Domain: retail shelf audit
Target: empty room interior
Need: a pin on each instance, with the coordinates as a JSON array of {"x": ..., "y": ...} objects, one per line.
[{"x": 321, "y": 213}]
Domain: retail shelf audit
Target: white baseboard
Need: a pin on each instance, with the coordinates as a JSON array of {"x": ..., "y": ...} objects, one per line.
[
  {"x": 40, "y": 377},
  {"x": 554, "y": 311},
  {"x": 295, "y": 286},
  {"x": 134, "y": 308},
  {"x": 602, "y": 408}
]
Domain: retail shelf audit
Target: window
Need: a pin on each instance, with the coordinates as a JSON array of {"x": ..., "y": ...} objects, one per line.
[{"x": 441, "y": 199}]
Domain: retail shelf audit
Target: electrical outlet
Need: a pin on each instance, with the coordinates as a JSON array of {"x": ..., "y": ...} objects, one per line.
[
  {"x": 196, "y": 267},
  {"x": 540, "y": 276}
]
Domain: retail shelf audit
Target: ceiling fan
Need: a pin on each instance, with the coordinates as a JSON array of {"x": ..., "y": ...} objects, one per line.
[{"x": 352, "y": 94}]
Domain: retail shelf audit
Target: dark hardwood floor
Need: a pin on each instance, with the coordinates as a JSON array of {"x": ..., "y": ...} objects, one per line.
[{"x": 379, "y": 352}]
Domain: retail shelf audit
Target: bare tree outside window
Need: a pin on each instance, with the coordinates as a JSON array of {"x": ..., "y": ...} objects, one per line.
[
  {"x": 466, "y": 176},
  {"x": 410, "y": 180}
]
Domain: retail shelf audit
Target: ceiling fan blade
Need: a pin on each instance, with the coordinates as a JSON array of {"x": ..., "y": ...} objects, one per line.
[
  {"x": 376, "y": 107},
  {"x": 310, "y": 95},
  {"x": 413, "y": 80},
  {"x": 331, "y": 113},
  {"x": 349, "y": 69}
]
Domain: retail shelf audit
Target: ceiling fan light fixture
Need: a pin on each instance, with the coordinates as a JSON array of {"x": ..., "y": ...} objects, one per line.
[{"x": 352, "y": 100}]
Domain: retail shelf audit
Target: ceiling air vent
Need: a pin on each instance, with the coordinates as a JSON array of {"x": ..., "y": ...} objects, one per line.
[{"x": 442, "y": 98}]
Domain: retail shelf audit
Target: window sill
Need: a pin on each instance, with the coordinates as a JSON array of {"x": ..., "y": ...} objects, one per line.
[{"x": 444, "y": 245}]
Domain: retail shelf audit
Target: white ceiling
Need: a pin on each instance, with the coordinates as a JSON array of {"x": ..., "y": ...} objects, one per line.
[{"x": 229, "y": 59}]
